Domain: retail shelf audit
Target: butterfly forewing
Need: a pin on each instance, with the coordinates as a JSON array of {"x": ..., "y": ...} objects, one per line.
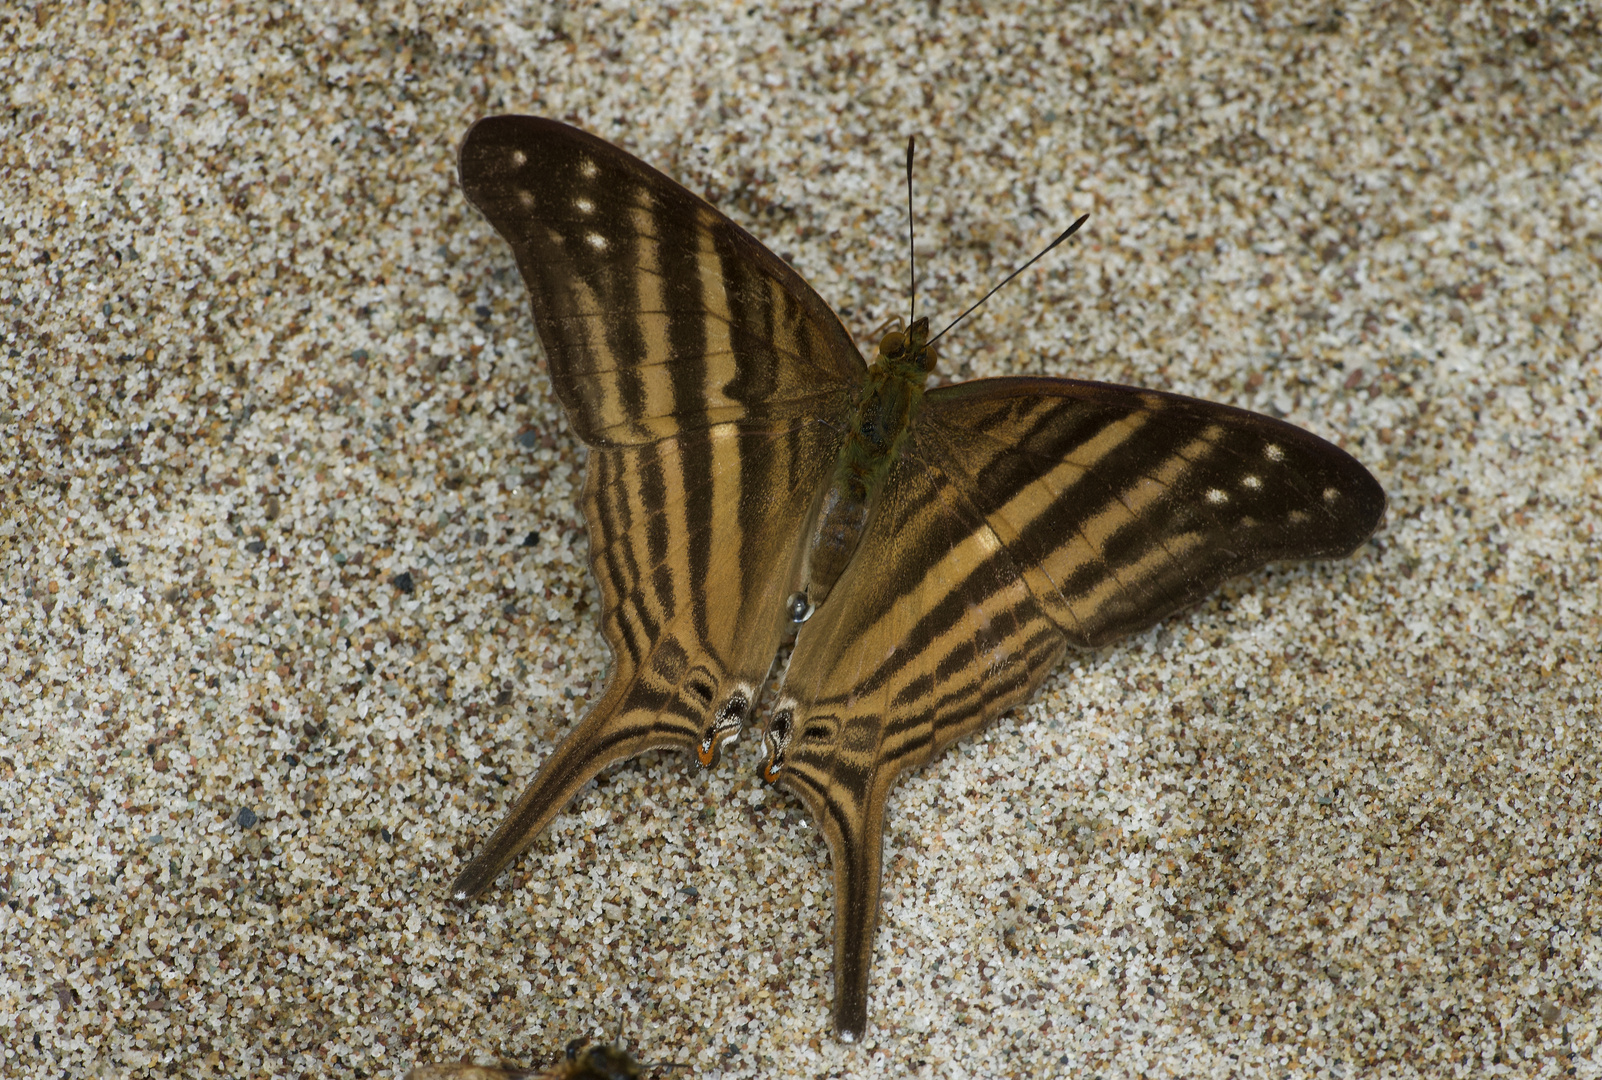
[
  {"x": 657, "y": 312},
  {"x": 1121, "y": 506}
]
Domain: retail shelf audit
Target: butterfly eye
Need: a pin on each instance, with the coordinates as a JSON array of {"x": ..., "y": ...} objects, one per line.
[
  {"x": 892, "y": 343},
  {"x": 798, "y": 607}
]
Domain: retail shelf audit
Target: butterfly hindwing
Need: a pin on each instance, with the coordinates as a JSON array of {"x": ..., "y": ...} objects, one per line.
[
  {"x": 931, "y": 632},
  {"x": 693, "y": 545},
  {"x": 1025, "y": 516},
  {"x": 656, "y": 311},
  {"x": 712, "y": 383}
]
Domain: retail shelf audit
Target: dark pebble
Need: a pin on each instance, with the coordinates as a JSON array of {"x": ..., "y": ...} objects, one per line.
[
  {"x": 247, "y": 818},
  {"x": 404, "y": 583},
  {"x": 531, "y": 540}
]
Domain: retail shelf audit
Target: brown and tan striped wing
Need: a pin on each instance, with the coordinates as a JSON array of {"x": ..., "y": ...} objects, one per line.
[
  {"x": 657, "y": 312},
  {"x": 1026, "y": 515},
  {"x": 930, "y": 632},
  {"x": 713, "y": 385},
  {"x": 1121, "y": 506},
  {"x": 694, "y": 542}
]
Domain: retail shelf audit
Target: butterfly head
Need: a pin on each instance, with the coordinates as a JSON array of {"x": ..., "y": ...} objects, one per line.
[{"x": 908, "y": 349}]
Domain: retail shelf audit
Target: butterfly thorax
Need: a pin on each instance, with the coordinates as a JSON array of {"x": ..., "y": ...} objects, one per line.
[{"x": 891, "y": 395}]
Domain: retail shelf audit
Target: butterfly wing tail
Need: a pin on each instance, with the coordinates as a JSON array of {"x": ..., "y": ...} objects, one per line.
[
  {"x": 852, "y": 821},
  {"x": 612, "y": 731},
  {"x": 857, "y": 875}
]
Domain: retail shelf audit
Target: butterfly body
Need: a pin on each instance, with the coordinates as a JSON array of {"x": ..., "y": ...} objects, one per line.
[
  {"x": 881, "y": 421},
  {"x": 934, "y": 551}
]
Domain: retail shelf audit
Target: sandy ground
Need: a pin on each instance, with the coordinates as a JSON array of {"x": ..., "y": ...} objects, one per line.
[{"x": 260, "y": 359}]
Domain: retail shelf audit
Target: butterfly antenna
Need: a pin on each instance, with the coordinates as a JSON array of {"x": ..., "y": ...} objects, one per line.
[
  {"x": 912, "y": 250},
  {"x": 1066, "y": 233}
]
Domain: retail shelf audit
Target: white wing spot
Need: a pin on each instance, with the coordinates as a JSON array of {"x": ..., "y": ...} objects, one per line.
[
  {"x": 588, "y": 169},
  {"x": 596, "y": 241},
  {"x": 526, "y": 198},
  {"x": 1216, "y": 497},
  {"x": 1298, "y": 516},
  {"x": 519, "y": 159},
  {"x": 1251, "y": 483},
  {"x": 1273, "y": 452},
  {"x": 584, "y": 206},
  {"x": 1330, "y": 495}
]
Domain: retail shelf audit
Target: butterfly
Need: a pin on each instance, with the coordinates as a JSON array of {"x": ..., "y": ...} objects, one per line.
[
  {"x": 598, "y": 1062},
  {"x": 933, "y": 550}
]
